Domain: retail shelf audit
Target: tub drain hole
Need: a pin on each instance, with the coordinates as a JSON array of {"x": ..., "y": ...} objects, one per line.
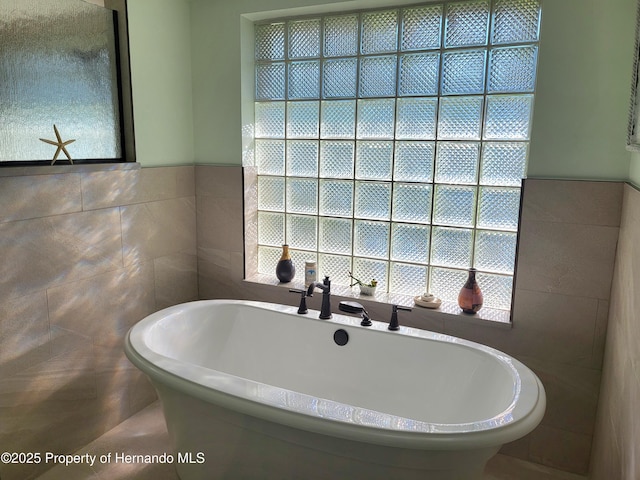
[{"x": 341, "y": 337}]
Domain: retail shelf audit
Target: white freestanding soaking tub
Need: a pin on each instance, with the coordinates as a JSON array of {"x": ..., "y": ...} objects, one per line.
[{"x": 253, "y": 390}]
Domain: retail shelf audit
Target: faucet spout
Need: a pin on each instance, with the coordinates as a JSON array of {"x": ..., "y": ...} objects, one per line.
[{"x": 325, "y": 286}]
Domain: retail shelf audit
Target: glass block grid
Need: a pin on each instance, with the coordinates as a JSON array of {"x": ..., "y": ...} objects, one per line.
[{"x": 392, "y": 143}]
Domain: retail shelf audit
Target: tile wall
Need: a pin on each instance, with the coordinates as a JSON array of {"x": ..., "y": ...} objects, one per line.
[
  {"x": 87, "y": 254},
  {"x": 617, "y": 446},
  {"x": 568, "y": 242},
  {"x": 84, "y": 255}
]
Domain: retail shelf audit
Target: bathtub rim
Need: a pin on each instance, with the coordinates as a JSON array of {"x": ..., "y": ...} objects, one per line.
[{"x": 534, "y": 393}]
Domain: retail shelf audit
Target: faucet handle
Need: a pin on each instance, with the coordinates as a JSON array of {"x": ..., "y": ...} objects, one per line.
[
  {"x": 302, "y": 309},
  {"x": 393, "y": 323}
]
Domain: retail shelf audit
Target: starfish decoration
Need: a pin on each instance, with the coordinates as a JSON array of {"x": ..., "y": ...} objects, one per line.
[{"x": 60, "y": 144}]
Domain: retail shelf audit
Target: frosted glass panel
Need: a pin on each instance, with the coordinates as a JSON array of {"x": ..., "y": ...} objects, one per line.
[
  {"x": 373, "y": 200},
  {"x": 410, "y": 243},
  {"x": 304, "y": 80},
  {"x": 421, "y": 27},
  {"x": 336, "y": 267},
  {"x": 336, "y": 159},
  {"x": 516, "y": 21},
  {"x": 376, "y": 118},
  {"x": 499, "y": 208},
  {"x": 341, "y": 36},
  {"x": 513, "y": 69},
  {"x": 302, "y": 158},
  {"x": 451, "y": 247},
  {"x": 416, "y": 118},
  {"x": 373, "y": 160},
  {"x": 268, "y": 259},
  {"x": 408, "y": 279},
  {"x": 270, "y": 120},
  {"x": 378, "y": 76},
  {"x": 302, "y": 119},
  {"x": 508, "y": 117},
  {"x": 302, "y": 195},
  {"x": 270, "y": 41},
  {"x": 454, "y": 205},
  {"x": 271, "y": 193},
  {"x": 467, "y": 23},
  {"x": 412, "y": 202},
  {"x": 270, "y": 157},
  {"x": 58, "y": 66},
  {"x": 463, "y": 72},
  {"x": 340, "y": 77},
  {"x": 304, "y": 38},
  {"x": 460, "y": 118},
  {"x": 503, "y": 163},
  {"x": 371, "y": 239},
  {"x": 270, "y": 81},
  {"x": 419, "y": 74},
  {"x": 335, "y": 235},
  {"x": 301, "y": 231},
  {"x": 379, "y": 32},
  {"x": 271, "y": 228},
  {"x": 495, "y": 251},
  {"x": 457, "y": 162},
  {"x": 336, "y": 198},
  {"x": 338, "y": 119},
  {"x": 501, "y": 288},
  {"x": 414, "y": 161}
]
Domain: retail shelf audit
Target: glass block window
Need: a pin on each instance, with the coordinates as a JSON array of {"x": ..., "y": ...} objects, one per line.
[{"x": 392, "y": 143}]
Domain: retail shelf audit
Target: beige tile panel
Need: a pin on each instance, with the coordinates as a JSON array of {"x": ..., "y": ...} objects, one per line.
[
  {"x": 156, "y": 229},
  {"x": 43, "y": 252},
  {"x": 185, "y": 181},
  {"x": 56, "y": 426},
  {"x": 219, "y": 181},
  {"x": 104, "y": 307},
  {"x": 67, "y": 375},
  {"x": 38, "y": 388},
  {"x": 569, "y": 259},
  {"x": 111, "y": 189},
  {"x": 24, "y": 333},
  {"x": 571, "y": 201},
  {"x": 572, "y": 395},
  {"x": 37, "y": 196},
  {"x": 143, "y": 434},
  {"x": 561, "y": 449},
  {"x": 546, "y": 326},
  {"x": 176, "y": 279},
  {"x": 220, "y": 223},
  {"x": 618, "y": 428},
  {"x": 502, "y": 467},
  {"x": 518, "y": 448},
  {"x": 217, "y": 276},
  {"x": 600, "y": 334},
  {"x": 141, "y": 392}
]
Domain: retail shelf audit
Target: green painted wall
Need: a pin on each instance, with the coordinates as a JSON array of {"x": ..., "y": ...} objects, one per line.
[
  {"x": 634, "y": 169},
  {"x": 580, "y": 117},
  {"x": 160, "y": 50},
  {"x": 582, "y": 97}
]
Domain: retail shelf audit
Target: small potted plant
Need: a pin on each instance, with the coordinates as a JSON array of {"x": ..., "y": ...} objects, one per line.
[{"x": 365, "y": 288}]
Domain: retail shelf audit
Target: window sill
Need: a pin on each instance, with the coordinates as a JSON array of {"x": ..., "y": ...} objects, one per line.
[
  {"x": 448, "y": 311},
  {"x": 21, "y": 171}
]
